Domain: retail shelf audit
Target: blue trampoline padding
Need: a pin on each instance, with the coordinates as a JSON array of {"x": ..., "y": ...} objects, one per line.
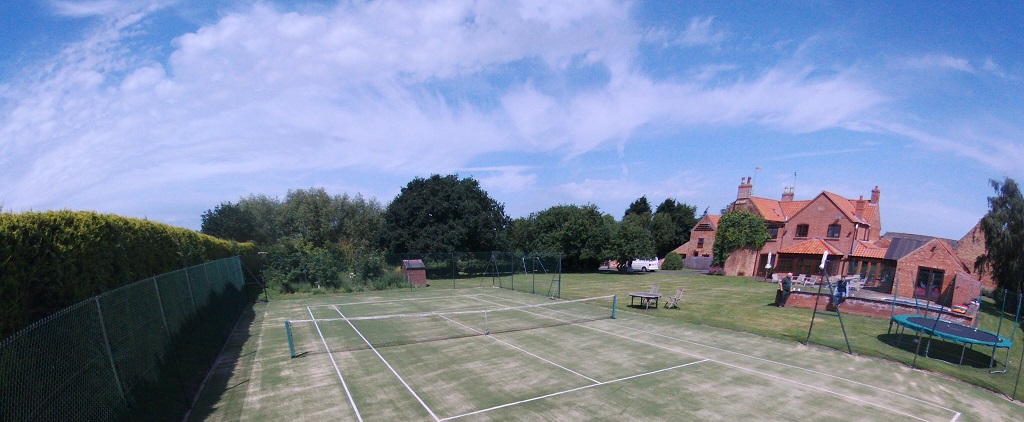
[{"x": 951, "y": 331}]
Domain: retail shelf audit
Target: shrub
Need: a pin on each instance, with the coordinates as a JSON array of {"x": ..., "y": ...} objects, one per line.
[
  {"x": 716, "y": 270},
  {"x": 672, "y": 262}
]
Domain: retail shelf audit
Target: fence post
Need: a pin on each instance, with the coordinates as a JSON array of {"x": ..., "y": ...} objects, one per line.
[
  {"x": 110, "y": 353},
  {"x": 191, "y": 294},
  {"x": 160, "y": 304}
]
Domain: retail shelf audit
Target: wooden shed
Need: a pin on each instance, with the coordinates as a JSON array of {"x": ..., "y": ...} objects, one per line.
[{"x": 415, "y": 272}]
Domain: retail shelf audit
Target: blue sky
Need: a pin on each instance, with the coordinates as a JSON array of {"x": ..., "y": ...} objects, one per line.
[{"x": 163, "y": 109}]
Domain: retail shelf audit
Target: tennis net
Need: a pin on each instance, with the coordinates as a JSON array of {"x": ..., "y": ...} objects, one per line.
[{"x": 357, "y": 333}]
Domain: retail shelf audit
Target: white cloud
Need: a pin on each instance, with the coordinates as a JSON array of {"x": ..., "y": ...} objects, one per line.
[
  {"x": 109, "y": 8},
  {"x": 941, "y": 61},
  {"x": 262, "y": 96},
  {"x": 507, "y": 179},
  {"x": 700, "y": 32},
  {"x": 992, "y": 67}
]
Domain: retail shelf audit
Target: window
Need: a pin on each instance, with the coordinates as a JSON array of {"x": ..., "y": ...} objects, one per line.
[
  {"x": 834, "y": 230},
  {"x": 773, "y": 232},
  {"x": 929, "y": 283},
  {"x": 700, "y": 242},
  {"x": 801, "y": 230}
]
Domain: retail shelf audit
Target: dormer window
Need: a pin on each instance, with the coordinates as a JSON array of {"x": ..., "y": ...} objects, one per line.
[
  {"x": 834, "y": 230},
  {"x": 801, "y": 230}
]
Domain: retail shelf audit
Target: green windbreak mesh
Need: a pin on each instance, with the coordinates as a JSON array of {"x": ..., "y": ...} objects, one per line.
[{"x": 137, "y": 352}]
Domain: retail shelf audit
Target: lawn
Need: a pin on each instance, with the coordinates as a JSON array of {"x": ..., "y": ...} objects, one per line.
[{"x": 745, "y": 304}]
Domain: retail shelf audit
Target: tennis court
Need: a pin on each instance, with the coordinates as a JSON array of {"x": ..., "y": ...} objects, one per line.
[{"x": 435, "y": 355}]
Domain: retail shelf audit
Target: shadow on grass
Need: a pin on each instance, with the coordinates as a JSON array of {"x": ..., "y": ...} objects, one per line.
[
  {"x": 223, "y": 365},
  {"x": 938, "y": 349}
]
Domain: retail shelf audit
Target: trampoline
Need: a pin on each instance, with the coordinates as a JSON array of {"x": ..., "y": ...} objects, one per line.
[{"x": 952, "y": 331}]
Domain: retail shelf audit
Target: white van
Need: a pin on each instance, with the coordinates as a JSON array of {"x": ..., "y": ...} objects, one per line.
[{"x": 645, "y": 265}]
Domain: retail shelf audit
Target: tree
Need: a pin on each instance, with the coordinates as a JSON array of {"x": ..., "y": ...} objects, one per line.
[
  {"x": 668, "y": 235},
  {"x": 228, "y": 221},
  {"x": 320, "y": 219},
  {"x": 1003, "y": 226},
  {"x": 264, "y": 212},
  {"x": 639, "y": 207},
  {"x": 631, "y": 240},
  {"x": 738, "y": 229},
  {"x": 309, "y": 215},
  {"x": 444, "y": 214},
  {"x": 577, "y": 232}
]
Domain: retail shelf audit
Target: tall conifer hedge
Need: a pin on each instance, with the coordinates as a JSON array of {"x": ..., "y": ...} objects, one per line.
[{"x": 51, "y": 260}]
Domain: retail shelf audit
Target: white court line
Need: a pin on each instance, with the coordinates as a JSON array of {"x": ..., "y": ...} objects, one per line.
[
  {"x": 521, "y": 349},
  {"x": 825, "y": 374},
  {"x": 371, "y": 302},
  {"x": 333, "y": 362},
  {"x": 955, "y": 417},
  {"x": 570, "y": 390},
  {"x": 385, "y": 363}
]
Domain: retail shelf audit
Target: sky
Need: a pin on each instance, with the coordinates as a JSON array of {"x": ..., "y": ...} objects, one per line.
[{"x": 163, "y": 109}]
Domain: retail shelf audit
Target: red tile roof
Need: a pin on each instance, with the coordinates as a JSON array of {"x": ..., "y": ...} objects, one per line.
[
  {"x": 774, "y": 210},
  {"x": 714, "y": 218},
  {"x": 864, "y": 249},
  {"x": 812, "y": 247}
]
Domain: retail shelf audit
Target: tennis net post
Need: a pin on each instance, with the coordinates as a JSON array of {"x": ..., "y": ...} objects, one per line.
[{"x": 291, "y": 344}]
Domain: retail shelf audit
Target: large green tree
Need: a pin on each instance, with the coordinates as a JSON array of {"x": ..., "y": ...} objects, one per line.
[
  {"x": 228, "y": 221},
  {"x": 444, "y": 214},
  {"x": 1003, "y": 226},
  {"x": 313, "y": 239},
  {"x": 640, "y": 207},
  {"x": 579, "y": 233},
  {"x": 671, "y": 225},
  {"x": 631, "y": 239},
  {"x": 311, "y": 215},
  {"x": 738, "y": 229}
]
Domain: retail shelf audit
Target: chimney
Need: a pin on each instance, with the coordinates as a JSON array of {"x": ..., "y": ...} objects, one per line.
[
  {"x": 787, "y": 195},
  {"x": 858, "y": 206},
  {"x": 745, "y": 187},
  {"x": 875, "y": 193}
]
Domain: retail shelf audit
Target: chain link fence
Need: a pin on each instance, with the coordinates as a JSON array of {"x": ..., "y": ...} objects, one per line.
[
  {"x": 536, "y": 273},
  {"x": 139, "y": 352}
]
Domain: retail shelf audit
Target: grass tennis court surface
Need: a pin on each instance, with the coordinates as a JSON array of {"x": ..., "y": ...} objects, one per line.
[{"x": 564, "y": 362}]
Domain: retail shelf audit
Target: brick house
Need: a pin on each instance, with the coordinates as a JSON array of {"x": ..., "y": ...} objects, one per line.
[
  {"x": 801, "y": 230},
  {"x": 702, "y": 237},
  {"x": 969, "y": 248},
  {"x": 850, "y": 231}
]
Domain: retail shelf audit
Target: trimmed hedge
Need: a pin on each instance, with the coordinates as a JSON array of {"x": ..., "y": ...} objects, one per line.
[{"x": 52, "y": 260}]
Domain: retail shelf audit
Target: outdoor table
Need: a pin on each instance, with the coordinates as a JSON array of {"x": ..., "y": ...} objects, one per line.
[{"x": 645, "y": 299}]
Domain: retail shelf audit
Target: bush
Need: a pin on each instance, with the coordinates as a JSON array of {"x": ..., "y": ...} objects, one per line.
[
  {"x": 716, "y": 270},
  {"x": 672, "y": 262}
]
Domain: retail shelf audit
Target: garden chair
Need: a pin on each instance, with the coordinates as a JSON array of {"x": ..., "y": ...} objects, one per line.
[
  {"x": 812, "y": 280},
  {"x": 800, "y": 279},
  {"x": 855, "y": 283},
  {"x": 673, "y": 302}
]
